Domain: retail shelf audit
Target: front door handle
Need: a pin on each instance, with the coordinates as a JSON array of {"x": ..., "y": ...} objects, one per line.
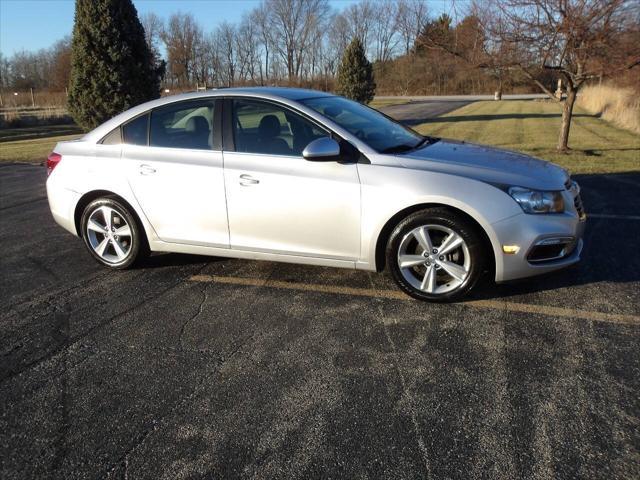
[
  {"x": 146, "y": 170},
  {"x": 246, "y": 180}
]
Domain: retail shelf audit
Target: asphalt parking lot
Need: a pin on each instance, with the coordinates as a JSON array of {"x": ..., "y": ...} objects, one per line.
[{"x": 197, "y": 367}]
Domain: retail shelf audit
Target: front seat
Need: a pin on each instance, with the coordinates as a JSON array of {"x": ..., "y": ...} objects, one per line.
[
  {"x": 268, "y": 132},
  {"x": 197, "y": 132}
]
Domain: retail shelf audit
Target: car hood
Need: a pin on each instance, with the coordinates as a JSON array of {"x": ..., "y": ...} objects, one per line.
[{"x": 488, "y": 164}]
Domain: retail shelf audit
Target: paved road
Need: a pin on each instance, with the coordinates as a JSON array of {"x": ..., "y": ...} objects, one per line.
[
  {"x": 417, "y": 112},
  {"x": 468, "y": 98},
  {"x": 195, "y": 367}
]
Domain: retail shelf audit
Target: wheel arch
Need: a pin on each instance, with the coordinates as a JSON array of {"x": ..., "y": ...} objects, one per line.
[
  {"x": 89, "y": 197},
  {"x": 385, "y": 233}
]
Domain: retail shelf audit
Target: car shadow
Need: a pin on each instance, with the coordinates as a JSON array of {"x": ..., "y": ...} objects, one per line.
[
  {"x": 161, "y": 260},
  {"x": 610, "y": 251}
]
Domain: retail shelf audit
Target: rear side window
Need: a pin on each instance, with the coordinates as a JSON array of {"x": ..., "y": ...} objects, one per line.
[
  {"x": 135, "y": 132},
  {"x": 183, "y": 125},
  {"x": 113, "y": 138}
]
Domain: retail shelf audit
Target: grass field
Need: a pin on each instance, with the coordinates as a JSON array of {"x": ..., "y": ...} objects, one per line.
[
  {"x": 528, "y": 126},
  {"x": 533, "y": 127},
  {"x": 33, "y": 144}
]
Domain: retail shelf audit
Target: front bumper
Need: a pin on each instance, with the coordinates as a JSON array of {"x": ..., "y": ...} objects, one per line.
[{"x": 525, "y": 231}]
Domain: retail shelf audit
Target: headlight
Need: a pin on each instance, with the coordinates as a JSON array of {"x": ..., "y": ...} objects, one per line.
[{"x": 535, "y": 201}]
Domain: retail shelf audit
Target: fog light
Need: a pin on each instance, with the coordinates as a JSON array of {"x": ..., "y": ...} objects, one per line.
[
  {"x": 510, "y": 249},
  {"x": 552, "y": 248}
]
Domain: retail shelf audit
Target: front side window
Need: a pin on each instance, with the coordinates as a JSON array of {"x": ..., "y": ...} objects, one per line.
[
  {"x": 379, "y": 132},
  {"x": 267, "y": 128},
  {"x": 182, "y": 125},
  {"x": 135, "y": 131}
]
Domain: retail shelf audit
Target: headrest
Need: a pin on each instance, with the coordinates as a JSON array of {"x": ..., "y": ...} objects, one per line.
[
  {"x": 197, "y": 124},
  {"x": 269, "y": 126}
]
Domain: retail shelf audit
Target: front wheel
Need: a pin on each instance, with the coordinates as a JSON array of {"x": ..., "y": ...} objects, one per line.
[
  {"x": 111, "y": 233},
  {"x": 435, "y": 255}
]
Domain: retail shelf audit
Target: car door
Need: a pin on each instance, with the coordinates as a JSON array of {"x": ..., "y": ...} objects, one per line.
[
  {"x": 175, "y": 171},
  {"x": 278, "y": 201}
]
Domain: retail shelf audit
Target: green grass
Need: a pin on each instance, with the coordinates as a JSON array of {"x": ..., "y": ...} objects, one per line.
[
  {"x": 528, "y": 126},
  {"x": 533, "y": 127},
  {"x": 33, "y": 144},
  {"x": 41, "y": 131}
]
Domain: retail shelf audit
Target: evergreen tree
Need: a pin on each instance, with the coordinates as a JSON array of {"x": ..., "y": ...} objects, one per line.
[
  {"x": 355, "y": 75},
  {"x": 112, "y": 68}
]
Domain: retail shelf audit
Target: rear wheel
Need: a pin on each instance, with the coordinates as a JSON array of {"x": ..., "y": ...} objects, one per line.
[
  {"x": 435, "y": 255},
  {"x": 111, "y": 233}
]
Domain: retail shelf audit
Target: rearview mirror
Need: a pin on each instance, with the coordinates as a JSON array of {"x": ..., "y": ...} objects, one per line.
[{"x": 323, "y": 149}]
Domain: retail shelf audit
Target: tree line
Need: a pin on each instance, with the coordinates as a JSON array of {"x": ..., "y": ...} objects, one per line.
[
  {"x": 45, "y": 69},
  {"x": 282, "y": 41},
  {"x": 117, "y": 60},
  {"x": 302, "y": 42}
]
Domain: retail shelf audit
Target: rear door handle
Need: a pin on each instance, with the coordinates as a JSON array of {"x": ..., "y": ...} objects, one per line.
[
  {"x": 246, "y": 180},
  {"x": 146, "y": 170}
]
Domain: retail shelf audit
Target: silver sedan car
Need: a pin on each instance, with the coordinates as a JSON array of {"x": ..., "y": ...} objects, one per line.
[{"x": 307, "y": 177}]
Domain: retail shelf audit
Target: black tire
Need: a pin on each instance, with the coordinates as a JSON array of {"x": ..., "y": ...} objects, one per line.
[
  {"x": 447, "y": 219},
  {"x": 135, "y": 245}
]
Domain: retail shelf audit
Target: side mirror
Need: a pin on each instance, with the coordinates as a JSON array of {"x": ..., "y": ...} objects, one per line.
[{"x": 323, "y": 149}]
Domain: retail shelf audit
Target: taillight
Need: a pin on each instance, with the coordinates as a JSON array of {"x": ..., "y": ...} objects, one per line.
[{"x": 52, "y": 161}]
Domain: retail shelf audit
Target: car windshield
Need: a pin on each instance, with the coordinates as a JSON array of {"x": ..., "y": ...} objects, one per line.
[{"x": 376, "y": 130}]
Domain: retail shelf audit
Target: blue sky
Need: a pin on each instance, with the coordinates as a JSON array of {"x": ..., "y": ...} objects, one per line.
[{"x": 35, "y": 24}]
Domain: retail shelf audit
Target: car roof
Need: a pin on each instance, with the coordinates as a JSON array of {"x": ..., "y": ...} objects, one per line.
[
  {"x": 282, "y": 92},
  {"x": 273, "y": 93}
]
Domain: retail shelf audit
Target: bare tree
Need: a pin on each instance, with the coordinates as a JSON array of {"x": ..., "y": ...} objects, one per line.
[
  {"x": 313, "y": 55},
  {"x": 153, "y": 27},
  {"x": 565, "y": 37},
  {"x": 260, "y": 18},
  {"x": 293, "y": 23},
  {"x": 248, "y": 49},
  {"x": 225, "y": 37},
  {"x": 384, "y": 29},
  {"x": 339, "y": 35},
  {"x": 5, "y": 69},
  {"x": 27, "y": 70},
  {"x": 211, "y": 55},
  {"x": 181, "y": 38},
  {"x": 361, "y": 17},
  {"x": 411, "y": 17},
  {"x": 60, "y": 70}
]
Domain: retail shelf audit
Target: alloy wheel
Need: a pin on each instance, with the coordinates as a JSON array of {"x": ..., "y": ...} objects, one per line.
[
  {"x": 434, "y": 259},
  {"x": 109, "y": 234}
]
